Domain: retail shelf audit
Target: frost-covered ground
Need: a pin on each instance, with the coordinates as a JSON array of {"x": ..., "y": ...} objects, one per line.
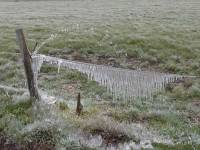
[{"x": 161, "y": 35}]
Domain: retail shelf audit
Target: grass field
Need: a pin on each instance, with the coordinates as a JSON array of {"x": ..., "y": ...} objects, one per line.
[{"x": 160, "y": 35}]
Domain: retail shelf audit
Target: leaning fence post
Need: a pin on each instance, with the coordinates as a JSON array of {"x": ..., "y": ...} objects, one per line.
[{"x": 27, "y": 60}]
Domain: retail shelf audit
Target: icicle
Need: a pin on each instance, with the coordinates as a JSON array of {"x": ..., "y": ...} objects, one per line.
[
  {"x": 122, "y": 83},
  {"x": 59, "y": 63}
]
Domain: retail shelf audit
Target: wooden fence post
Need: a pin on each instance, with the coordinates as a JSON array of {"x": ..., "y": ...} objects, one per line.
[
  {"x": 27, "y": 60},
  {"x": 79, "y": 106}
]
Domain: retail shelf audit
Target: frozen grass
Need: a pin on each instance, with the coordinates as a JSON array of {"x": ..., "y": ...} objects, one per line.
[{"x": 164, "y": 37}]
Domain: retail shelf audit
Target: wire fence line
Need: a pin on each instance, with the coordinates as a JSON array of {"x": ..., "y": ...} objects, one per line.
[{"x": 122, "y": 83}]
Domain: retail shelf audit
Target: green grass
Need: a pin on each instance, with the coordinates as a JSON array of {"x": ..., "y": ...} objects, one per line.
[
  {"x": 177, "y": 147},
  {"x": 186, "y": 91},
  {"x": 70, "y": 77},
  {"x": 18, "y": 110},
  {"x": 123, "y": 41}
]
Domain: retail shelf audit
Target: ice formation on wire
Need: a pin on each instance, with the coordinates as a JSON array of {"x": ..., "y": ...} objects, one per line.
[
  {"x": 36, "y": 65},
  {"x": 122, "y": 83}
]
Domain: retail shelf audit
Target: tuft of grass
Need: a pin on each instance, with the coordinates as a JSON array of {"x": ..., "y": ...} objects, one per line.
[
  {"x": 47, "y": 136},
  {"x": 187, "y": 90},
  {"x": 110, "y": 130},
  {"x": 63, "y": 106}
]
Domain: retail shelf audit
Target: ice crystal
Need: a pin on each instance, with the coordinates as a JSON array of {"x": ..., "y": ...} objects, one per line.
[{"x": 122, "y": 83}]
